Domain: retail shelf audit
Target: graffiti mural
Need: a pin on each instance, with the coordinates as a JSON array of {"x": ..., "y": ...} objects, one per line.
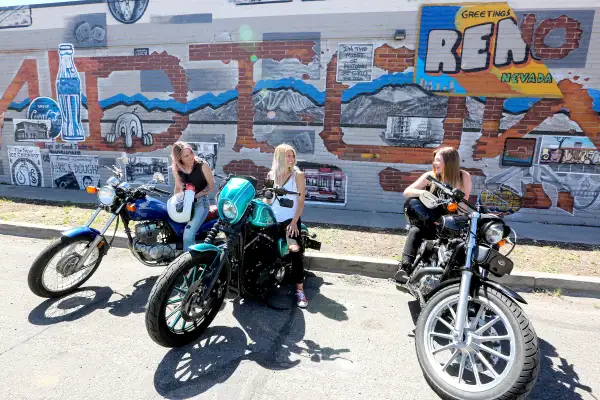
[
  {"x": 68, "y": 89},
  {"x": 87, "y": 30},
  {"x": 127, "y": 127},
  {"x": 148, "y": 170},
  {"x": 74, "y": 172},
  {"x": 25, "y": 166},
  {"x": 46, "y": 109},
  {"x": 127, "y": 11},
  {"x": 15, "y": 17},
  {"x": 324, "y": 183},
  {"x": 478, "y": 52},
  {"x": 508, "y": 87}
]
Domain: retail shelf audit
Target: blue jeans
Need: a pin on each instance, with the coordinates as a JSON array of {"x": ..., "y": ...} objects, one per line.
[{"x": 199, "y": 214}]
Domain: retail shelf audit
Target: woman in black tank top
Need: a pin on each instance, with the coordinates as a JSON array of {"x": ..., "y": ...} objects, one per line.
[
  {"x": 446, "y": 168},
  {"x": 190, "y": 172}
]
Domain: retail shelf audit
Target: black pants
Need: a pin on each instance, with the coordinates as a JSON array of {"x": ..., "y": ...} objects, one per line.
[
  {"x": 414, "y": 239},
  {"x": 296, "y": 256}
]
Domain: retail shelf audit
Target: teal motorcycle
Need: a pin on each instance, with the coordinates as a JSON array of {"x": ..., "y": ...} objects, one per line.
[{"x": 252, "y": 261}]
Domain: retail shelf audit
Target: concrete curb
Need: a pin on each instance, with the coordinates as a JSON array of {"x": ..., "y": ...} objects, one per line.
[{"x": 341, "y": 264}]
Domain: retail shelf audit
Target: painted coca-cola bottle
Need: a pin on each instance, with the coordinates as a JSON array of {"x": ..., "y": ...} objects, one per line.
[{"x": 68, "y": 89}]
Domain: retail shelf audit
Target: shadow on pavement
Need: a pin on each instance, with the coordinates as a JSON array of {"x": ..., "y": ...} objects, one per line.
[
  {"x": 558, "y": 378},
  {"x": 271, "y": 335},
  {"x": 86, "y": 300}
]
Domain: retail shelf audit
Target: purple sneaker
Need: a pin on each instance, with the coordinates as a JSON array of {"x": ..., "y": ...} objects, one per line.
[{"x": 302, "y": 301}]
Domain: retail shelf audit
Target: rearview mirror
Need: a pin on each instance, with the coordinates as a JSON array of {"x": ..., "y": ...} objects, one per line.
[
  {"x": 269, "y": 183},
  {"x": 287, "y": 203}
]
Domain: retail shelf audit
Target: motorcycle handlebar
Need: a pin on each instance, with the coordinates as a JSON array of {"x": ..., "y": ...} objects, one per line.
[
  {"x": 456, "y": 194},
  {"x": 157, "y": 190}
]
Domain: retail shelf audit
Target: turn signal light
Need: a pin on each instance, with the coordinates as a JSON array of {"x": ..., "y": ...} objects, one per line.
[
  {"x": 502, "y": 243},
  {"x": 91, "y": 189},
  {"x": 131, "y": 207},
  {"x": 452, "y": 207}
]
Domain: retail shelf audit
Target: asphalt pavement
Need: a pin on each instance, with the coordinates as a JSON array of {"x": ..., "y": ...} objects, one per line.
[{"x": 353, "y": 342}]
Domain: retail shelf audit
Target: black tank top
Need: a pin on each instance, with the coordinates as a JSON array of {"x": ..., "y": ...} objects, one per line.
[{"x": 196, "y": 177}]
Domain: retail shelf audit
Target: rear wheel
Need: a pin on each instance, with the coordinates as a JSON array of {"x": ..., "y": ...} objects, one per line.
[
  {"x": 499, "y": 358},
  {"x": 54, "y": 272},
  {"x": 176, "y": 314}
]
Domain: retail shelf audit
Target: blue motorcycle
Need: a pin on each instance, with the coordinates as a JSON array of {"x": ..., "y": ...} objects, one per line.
[{"x": 155, "y": 240}]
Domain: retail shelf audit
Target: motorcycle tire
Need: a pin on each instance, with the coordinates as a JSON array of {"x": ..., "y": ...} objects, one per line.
[
  {"x": 519, "y": 381},
  {"x": 156, "y": 318},
  {"x": 36, "y": 272}
]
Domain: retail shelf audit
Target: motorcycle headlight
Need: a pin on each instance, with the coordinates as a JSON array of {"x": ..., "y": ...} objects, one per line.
[
  {"x": 494, "y": 233},
  {"x": 229, "y": 210},
  {"x": 107, "y": 195}
]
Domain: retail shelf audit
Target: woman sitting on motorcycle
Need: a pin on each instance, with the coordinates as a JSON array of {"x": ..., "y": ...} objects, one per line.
[
  {"x": 191, "y": 172},
  {"x": 446, "y": 168},
  {"x": 285, "y": 174}
]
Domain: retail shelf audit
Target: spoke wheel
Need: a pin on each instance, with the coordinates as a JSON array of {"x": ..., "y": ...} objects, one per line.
[
  {"x": 176, "y": 313},
  {"x": 497, "y": 358}
]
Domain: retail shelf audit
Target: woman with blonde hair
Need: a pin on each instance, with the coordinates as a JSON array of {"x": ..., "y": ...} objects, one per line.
[
  {"x": 191, "y": 172},
  {"x": 285, "y": 174},
  {"x": 446, "y": 168}
]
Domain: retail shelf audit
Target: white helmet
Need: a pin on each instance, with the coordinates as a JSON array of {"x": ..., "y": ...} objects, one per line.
[{"x": 179, "y": 206}]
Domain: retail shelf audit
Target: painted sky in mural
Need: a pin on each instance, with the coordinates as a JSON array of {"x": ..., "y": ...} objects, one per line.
[{"x": 477, "y": 50}]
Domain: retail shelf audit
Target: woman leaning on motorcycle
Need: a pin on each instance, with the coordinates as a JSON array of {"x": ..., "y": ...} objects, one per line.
[
  {"x": 191, "y": 171},
  {"x": 285, "y": 174},
  {"x": 445, "y": 168}
]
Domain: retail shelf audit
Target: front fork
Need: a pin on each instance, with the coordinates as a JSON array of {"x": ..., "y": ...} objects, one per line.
[
  {"x": 98, "y": 237},
  {"x": 465, "y": 282}
]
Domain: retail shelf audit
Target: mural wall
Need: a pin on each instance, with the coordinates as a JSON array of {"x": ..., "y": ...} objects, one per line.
[{"x": 514, "y": 90}]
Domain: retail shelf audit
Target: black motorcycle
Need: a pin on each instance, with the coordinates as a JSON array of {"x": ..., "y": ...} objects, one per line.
[{"x": 473, "y": 340}]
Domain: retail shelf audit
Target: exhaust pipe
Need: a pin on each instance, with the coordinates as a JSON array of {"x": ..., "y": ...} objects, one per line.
[{"x": 426, "y": 271}]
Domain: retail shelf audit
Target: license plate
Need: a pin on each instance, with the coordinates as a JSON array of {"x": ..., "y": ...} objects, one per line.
[{"x": 313, "y": 244}]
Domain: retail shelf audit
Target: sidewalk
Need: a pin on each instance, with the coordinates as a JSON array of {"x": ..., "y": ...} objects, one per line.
[{"x": 328, "y": 215}]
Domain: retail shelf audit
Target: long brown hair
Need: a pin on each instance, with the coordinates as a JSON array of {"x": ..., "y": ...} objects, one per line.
[
  {"x": 178, "y": 148},
  {"x": 451, "y": 174}
]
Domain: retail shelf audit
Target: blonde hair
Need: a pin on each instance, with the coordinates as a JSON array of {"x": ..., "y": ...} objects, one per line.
[
  {"x": 451, "y": 174},
  {"x": 178, "y": 148},
  {"x": 280, "y": 168}
]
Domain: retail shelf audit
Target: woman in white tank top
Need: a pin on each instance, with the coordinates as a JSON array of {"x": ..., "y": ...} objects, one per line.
[{"x": 286, "y": 174}]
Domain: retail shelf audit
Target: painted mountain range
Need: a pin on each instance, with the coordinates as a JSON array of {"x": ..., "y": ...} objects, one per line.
[
  {"x": 559, "y": 122},
  {"x": 405, "y": 100}
]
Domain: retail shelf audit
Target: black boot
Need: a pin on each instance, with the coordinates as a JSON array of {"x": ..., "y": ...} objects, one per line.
[{"x": 401, "y": 275}]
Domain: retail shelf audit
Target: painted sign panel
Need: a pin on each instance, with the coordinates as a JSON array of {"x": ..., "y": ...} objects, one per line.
[
  {"x": 573, "y": 154},
  {"x": 15, "y": 17},
  {"x": 32, "y": 130},
  {"x": 45, "y": 108},
  {"x": 325, "y": 184},
  {"x": 147, "y": 170},
  {"x": 25, "y": 166},
  {"x": 478, "y": 50},
  {"x": 518, "y": 152},
  {"x": 355, "y": 62},
  {"x": 74, "y": 172}
]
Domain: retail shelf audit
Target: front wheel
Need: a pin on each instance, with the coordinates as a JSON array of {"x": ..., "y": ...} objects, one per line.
[
  {"x": 498, "y": 358},
  {"x": 176, "y": 314},
  {"x": 54, "y": 272}
]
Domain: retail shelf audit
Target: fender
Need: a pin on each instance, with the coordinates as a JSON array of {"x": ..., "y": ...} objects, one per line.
[
  {"x": 87, "y": 233},
  {"x": 476, "y": 282},
  {"x": 81, "y": 231},
  {"x": 219, "y": 257}
]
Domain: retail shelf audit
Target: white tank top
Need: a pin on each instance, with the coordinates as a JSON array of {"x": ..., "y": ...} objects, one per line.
[{"x": 282, "y": 213}]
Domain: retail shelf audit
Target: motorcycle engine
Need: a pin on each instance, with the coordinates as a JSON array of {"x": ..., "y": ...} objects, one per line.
[
  {"x": 435, "y": 255},
  {"x": 261, "y": 266},
  {"x": 149, "y": 241}
]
